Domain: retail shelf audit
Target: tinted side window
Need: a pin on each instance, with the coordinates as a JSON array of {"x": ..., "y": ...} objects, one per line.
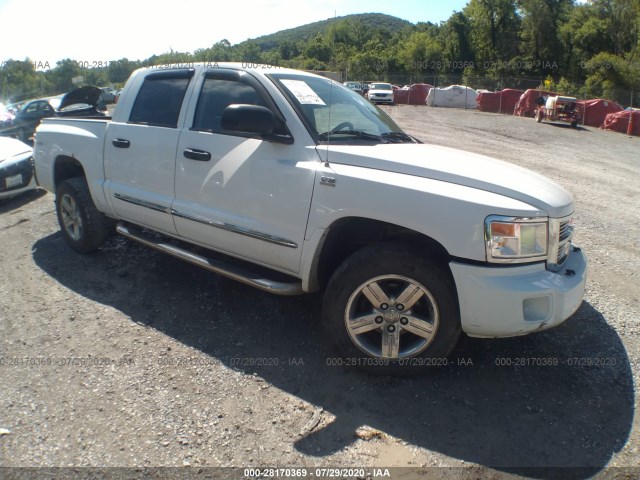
[
  {"x": 216, "y": 95},
  {"x": 159, "y": 102}
]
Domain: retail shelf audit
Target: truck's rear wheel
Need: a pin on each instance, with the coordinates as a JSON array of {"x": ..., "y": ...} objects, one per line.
[
  {"x": 391, "y": 311},
  {"x": 83, "y": 226},
  {"x": 539, "y": 115}
]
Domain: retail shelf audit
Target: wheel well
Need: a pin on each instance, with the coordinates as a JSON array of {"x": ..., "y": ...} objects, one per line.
[
  {"x": 66, "y": 167},
  {"x": 346, "y": 236}
]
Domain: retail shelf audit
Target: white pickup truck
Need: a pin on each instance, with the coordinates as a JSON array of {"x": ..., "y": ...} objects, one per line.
[{"x": 292, "y": 183}]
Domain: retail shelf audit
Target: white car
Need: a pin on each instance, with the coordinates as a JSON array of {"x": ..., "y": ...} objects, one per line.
[
  {"x": 355, "y": 86},
  {"x": 6, "y": 117},
  {"x": 16, "y": 168},
  {"x": 380, "y": 93}
]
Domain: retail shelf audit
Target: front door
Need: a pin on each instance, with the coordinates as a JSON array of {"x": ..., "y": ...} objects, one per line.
[{"x": 238, "y": 193}]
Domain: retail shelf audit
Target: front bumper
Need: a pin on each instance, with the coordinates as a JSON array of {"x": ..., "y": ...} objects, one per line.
[
  {"x": 16, "y": 178},
  {"x": 381, "y": 99},
  {"x": 500, "y": 301}
]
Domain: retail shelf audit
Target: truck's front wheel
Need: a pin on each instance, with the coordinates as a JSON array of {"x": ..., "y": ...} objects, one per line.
[
  {"x": 83, "y": 226},
  {"x": 391, "y": 311}
]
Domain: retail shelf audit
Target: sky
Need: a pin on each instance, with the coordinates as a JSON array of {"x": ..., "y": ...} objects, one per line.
[{"x": 46, "y": 31}]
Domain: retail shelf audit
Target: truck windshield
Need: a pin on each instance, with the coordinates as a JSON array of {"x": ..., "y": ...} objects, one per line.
[{"x": 334, "y": 113}]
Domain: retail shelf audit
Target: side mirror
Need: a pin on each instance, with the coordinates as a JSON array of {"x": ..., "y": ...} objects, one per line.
[{"x": 248, "y": 119}]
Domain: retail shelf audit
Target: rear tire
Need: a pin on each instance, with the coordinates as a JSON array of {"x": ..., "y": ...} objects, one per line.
[
  {"x": 539, "y": 115},
  {"x": 391, "y": 311},
  {"x": 84, "y": 228}
]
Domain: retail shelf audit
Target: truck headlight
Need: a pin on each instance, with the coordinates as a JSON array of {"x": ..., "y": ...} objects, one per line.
[{"x": 515, "y": 239}]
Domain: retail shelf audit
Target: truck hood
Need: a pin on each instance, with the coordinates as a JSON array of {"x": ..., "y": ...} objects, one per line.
[
  {"x": 461, "y": 168},
  {"x": 10, "y": 148},
  {"x": 83, "y": 95}
]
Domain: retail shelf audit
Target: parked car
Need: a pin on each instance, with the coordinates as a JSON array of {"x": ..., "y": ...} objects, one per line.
[
  {"x": 81, "y": 102},
  {"x": 108, "y": 95},
  {"x": 380, "y": 93},
  {"x": 355, "y": 86},
  {"x": 13, "y": 108},
  {"x": 6, "y": 118},
  {"x": 292, "y": 183},
  {"x": 16, "y": 167},
  {"x": 118, "y": 94}
]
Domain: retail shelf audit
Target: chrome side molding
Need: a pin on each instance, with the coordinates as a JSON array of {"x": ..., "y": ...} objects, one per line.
[
  {"x": 247, "y": 232},
  {"x": 142, "y": 203},
  {"x": 240, "y": 274},
  {"x": 236, "y": 229}
]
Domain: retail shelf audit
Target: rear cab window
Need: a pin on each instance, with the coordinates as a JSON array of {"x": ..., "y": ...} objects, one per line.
[{"x": 160, "y": 98}]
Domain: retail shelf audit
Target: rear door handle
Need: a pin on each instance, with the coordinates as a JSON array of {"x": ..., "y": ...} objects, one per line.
[
  {"x": 121, "y": 143},
  {"x": 195, "y": 154}
]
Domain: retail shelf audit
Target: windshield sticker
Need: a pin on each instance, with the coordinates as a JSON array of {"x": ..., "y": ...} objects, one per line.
[{"x": 303, "y": 92}]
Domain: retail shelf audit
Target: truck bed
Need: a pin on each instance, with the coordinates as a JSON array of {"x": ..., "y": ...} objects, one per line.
[{"x": 72, "y": 138}]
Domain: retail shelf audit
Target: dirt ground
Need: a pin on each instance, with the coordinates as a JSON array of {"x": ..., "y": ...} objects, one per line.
[{"x": 130, "y": 358}]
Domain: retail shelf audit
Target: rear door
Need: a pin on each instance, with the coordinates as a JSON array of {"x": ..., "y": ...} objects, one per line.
[
  {"x": 238, "y": 193},
  {"x": 140, "y": 153}
]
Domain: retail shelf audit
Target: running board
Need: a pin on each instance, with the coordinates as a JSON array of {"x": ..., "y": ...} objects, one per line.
[{"x": 240, "y": 274}]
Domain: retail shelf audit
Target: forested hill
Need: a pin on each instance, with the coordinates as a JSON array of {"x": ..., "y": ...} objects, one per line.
[{"x": 304, "y": 33}]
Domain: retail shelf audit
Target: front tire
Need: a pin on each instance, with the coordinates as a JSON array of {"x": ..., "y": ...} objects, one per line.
[
  {"x": 391, "y": 311},
  {"x": 85, "y": 228}
]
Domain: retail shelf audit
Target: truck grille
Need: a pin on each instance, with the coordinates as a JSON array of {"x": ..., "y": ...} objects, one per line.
[
  {"x": 560, "y": 236},
  {"x": 564, "y": 237}
]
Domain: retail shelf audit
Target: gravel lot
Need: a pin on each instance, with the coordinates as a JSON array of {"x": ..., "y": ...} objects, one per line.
[{"x": 128, "y": 357}]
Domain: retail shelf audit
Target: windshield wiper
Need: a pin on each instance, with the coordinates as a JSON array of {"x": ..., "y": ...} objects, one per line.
[
  {"x": 353, "y": 133},
  {"x": 401, "y": 136}
]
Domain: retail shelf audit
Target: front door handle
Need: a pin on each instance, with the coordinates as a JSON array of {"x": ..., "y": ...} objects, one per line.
[
  {"x": 195, "y": 154},
  {"x": 121, "y": 143}
]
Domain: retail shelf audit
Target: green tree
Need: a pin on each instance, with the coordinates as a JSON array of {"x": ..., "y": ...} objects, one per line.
[
  {"x": 421, "y": 54},
  {"x": 456, "y": 40},
  {"x": 583, "y": 35},
  {"x": 219, "y": 52},
  {"x": 288, "y": 49},
  {"x": 247, "y": 52},
  {"x": 63, "y": 74},
  {"x": 95, "y": 76},
  {"x": 622, "y": 21},
  {"x": 318, "y": 49},
  {"x": 495, "y": 31},
  {"x": 541, "y": 43},
  {"x": 118, "y": 71},
  {"x": 18, "y": 81},
  {"x": 612, "y": 76}
]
